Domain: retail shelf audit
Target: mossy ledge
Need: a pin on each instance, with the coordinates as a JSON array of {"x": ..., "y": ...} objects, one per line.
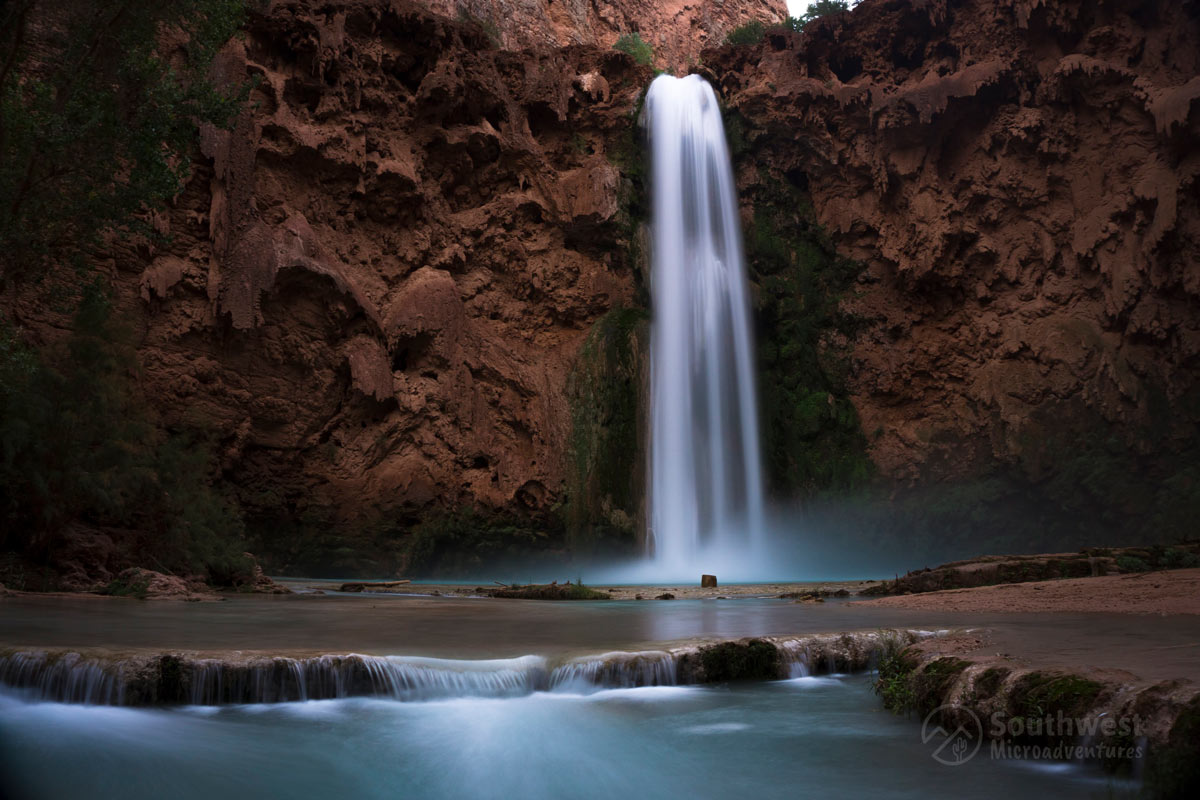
[
  {"x": 213, "y": 678},
  {"x": 1026, "y": 706}
]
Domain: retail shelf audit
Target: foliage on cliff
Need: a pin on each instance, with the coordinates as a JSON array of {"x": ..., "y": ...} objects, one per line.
[
  {"x": 99, "y": 107},
  {"x": 96, "y": 118},
  {"x": 605, "y": 476},
  {"x": 78, "y": 445},
  {"x": 812, "y": 440},
  {"x": 632, "y": 45}
]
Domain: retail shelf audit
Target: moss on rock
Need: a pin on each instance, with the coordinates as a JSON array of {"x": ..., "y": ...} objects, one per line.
[
  {"x": 755, "y": 659},
  {"x": 605, "y": 481},
  {"x": 1173, "y": 769}
]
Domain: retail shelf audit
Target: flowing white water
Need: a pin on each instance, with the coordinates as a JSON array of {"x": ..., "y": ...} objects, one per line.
[{"x": 706, "y": 504}]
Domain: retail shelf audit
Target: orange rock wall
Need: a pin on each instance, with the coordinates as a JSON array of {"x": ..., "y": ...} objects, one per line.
[
  {"x": 1020, "y": 180},
  {"x": 676, "y": 29},
  {"x": 376, "y": 283}
]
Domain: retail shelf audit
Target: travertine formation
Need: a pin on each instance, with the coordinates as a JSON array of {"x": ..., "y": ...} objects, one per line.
[
  {"x": 1020, "y": 180},
  {"x": 676, "y": 29},
  {"x": 376, "y": 283}
]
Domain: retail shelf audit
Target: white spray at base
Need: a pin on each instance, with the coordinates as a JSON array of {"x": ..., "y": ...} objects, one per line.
[{"x": 705, "y": 483}]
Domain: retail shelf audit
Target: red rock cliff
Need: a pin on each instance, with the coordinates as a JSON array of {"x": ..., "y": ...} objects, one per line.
[
  {"x": 677, "y": 29},
  {"x": 376, "y": 283},
  {"x": 1020, "y": 180}
]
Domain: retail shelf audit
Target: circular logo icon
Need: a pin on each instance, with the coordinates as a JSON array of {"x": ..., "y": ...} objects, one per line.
[{"x": 955, "y": 734}]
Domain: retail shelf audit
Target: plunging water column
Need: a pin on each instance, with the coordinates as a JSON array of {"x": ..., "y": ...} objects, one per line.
[{"x": 706, "y": 506}]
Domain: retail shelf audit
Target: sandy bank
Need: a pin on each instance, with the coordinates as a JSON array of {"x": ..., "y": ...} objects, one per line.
[{"x": 1169, "y": 592}]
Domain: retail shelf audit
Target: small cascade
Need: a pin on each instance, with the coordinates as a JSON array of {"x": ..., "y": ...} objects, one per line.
[
  {"x": 180, "y": 679},
  {"x": 66, "y": 677},
  {"x": 334, "y": 676},
  {"x": 431, "y": 678},
  {"x": 617, "y": 670},
  {"x": 797, "y": 657}
]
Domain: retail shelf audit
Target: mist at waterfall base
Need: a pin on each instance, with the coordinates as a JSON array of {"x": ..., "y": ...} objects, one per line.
[{"x": 819, "y": 543}]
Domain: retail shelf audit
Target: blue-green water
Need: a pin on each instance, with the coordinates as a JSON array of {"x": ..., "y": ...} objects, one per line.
[{"x": 811, "y": 736}]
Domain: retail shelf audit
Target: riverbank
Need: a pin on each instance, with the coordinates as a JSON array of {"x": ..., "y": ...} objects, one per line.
[
  {"x": 1163, "y": 592},
  {"x": 795, "y": 590}
]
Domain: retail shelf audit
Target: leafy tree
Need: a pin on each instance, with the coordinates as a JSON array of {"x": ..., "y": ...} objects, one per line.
[
  {"x": 818, "y": 9},
  {"x": 96, "y": 123},
  {"x": 77, "y": 443},
  {"x": 99, "y": 108},
  {"x": 632, "y": 45},
  {"x": 750, "y": 33}
]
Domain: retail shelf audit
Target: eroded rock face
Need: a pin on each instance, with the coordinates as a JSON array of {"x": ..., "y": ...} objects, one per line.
[
  {"x": 377, "y": 282},
  {"x": 1020, "y": 181},
  {"x": 676, "y": 29}
]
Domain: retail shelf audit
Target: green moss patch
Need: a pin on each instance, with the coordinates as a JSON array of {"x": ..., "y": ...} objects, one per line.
[
  {"x": 754, "y": 660},
  {"x": 551, "y": 591},
  {"x": 605, "y": 479}
]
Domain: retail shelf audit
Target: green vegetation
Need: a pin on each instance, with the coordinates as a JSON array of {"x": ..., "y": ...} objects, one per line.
[
  {"x": 136, "y": 587},
  {"x": 904, "y": 686},
  {"x": 77, "y": 444},
  {"x": 755, "y": 660},
  {"x": 1132, "y": 564},
  {"x": 1038, "y": 696},
  {"x": 818, "y": 9},
  {"x": 751, "y": 32},
  {"x": 605, "y": 481},
  {"x": 98, "y": 127},
  {"x": 551, "y": 591},
  {"x": 892, "y": 681},
  {"x": 632, "y": 45},
  {"x": 812, "y": 439},
  {"x": 467, "y": 542},
  {"x": 989, "y": 683}
]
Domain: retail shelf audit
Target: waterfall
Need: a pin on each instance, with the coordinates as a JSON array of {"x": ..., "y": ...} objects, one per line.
[
  {"x": 616, "y": 670},
  {"x": 706, "y": 504},
  {"x": 150, "y": 679}
]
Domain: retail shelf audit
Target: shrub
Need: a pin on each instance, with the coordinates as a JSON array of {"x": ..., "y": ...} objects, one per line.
[
  {"x": 816, "y": 10},
  {"x": 78, "y": 444},
  {"x": 632, "y": 45},
  {"x": 1132, "y": 564},
  {"x": 97, "y": 126},
  {"x": 750, "y": 33}
]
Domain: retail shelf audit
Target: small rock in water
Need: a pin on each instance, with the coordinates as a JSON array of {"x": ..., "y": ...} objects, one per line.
[
  {"x": 665, "y": 596},
  {"x": 708, "y": 581},
  {"x": 638, "y": 597}
]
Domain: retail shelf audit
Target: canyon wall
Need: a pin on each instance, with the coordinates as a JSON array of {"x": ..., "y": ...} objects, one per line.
[
  {"x": 409, "y": 279},
  {"x": 676, "y": 29},
  {"x": 373, "y": 288},
  {"x": 1018, "y": 181}
]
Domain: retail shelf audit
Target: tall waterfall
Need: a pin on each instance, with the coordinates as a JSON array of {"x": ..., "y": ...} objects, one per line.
[{"x": 706, "y": 504}]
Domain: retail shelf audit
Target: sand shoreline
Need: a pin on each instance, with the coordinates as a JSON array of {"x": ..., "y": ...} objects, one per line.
[{"x": 1163, "y": 592}]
